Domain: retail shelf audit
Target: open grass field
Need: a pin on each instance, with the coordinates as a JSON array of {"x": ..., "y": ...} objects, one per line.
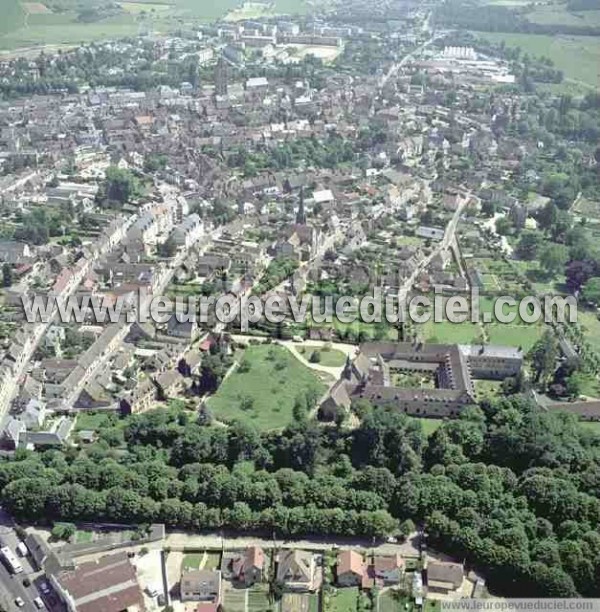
[
  {"x": 331, "y": 358},
  {"x": 550, "y": 14},
  {"x": 254, "y": 10},
  {"x": 451, "y": 333},
  {"x": 524, "y": 336},
  {"x": 265, "y": 393},
  {"x": 135, "y": 8},
  {"x": 32, "y": 24},
  {"x": 13, "y": 16},
  {"x": 577, "y": 56},
  {"x": 52, "y": 29}
]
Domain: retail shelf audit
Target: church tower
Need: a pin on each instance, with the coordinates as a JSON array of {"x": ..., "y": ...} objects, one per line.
[
  {"x": 221, "y": 77},
  {"x": 301, "y": 214}
]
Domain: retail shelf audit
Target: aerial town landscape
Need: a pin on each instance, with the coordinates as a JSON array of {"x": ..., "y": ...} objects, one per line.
[{"x": 325, "y": 149}]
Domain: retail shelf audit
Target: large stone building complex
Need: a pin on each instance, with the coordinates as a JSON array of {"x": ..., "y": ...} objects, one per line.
[{"x": 446, "y": 371}]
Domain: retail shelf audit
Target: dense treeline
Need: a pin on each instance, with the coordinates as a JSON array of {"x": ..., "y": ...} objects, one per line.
[{"x": 511, "y": 489}]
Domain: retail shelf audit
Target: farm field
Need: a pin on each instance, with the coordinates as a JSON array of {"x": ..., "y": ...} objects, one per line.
[
  {"x": 52, "y": 29},
  {"x": 12, "y": 16},
  {"x": 577, "y": 56},
  {"x": 144, "y": 7},
  {"x": 265, "y": 393},
  {"x": 550, "y": 14},
  {"x": 31, "y": 24}
]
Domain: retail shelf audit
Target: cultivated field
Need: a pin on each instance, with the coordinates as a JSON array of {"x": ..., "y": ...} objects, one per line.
[
  {"x": 577, "y": 56},
  {"x": 558, "y": 14},
  {"x": 24, "y": 25}
]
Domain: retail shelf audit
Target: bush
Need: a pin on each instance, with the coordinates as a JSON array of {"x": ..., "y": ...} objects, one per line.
[
  {"x": 63, "y": 531},
  {"x": 315, "y": 357}
]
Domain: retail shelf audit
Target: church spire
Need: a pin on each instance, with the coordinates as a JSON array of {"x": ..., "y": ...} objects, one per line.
[{"x": 301, "y": 214}]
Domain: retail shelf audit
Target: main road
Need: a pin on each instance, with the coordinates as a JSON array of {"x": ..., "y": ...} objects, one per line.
[
  {"x": 395, "y": 67},
  {"x": 449, "y": 236}
]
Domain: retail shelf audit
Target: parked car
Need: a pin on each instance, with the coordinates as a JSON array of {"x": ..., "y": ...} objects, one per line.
[
  {"x": 39, "y": 604},
  {"x": 19, "y": 601}
]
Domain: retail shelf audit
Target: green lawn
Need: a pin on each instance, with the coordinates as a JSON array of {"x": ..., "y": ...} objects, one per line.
[
  {"x": 191, "y": 561},
  {"x": 345, "y": 600},
  {"x": 577, "y": 56},
  {"x": 12, "y": 16},
  {"x": 451, "y": 333},
  {"x": 429, "y": 425},
  {"x": 524, "y": 336},
  {"x": 84, "y": 537},
  {"x": 265, "y": 394},
  {"x": 209, "y": 560},
  {"x": 329, "y": 357},
  {"x": 592, "y": 426},
  {"x": 212, "y": 561},
  {"x": 97, "y": 420},
  {"x": 591, "y": 327},
  {"x": 487, "y": 389},
  {"x": 390, "y": 602}
]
